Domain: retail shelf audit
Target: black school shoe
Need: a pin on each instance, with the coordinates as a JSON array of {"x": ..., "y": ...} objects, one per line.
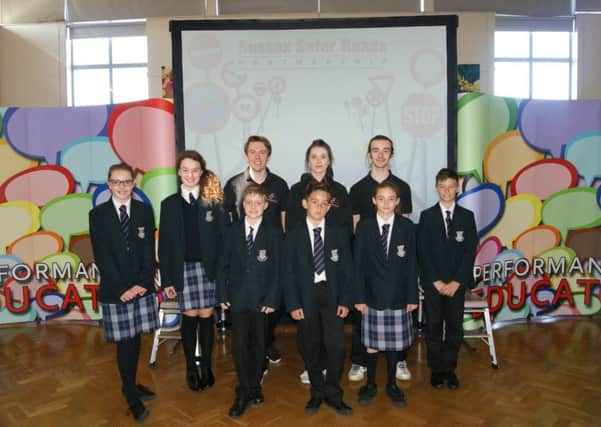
[
  {"x": 192, "y": 379},
  {"x": 339, "y": 406},
  {"x": 313, "y": 405},
  {"x": 452, "y": 381},
  {"x": 144, "y": 393},
  {"x": 437, "y": 380},
  {"x": 238, "y": 407},
  {"x": 138, "y": 411},
  {"x": 256, "y": 397},
  {"x": 367, "y": 393},
  {"x": 396, "y": 394},
  {"x": 273, "y": 354}
]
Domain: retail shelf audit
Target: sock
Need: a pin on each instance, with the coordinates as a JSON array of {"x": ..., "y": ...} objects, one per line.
[
  {"x": 372, "y": 361},
  {"x": 188, "y": 331},
  {"x": 206, "y": 334},
  {"x": 127, "y": 369}
]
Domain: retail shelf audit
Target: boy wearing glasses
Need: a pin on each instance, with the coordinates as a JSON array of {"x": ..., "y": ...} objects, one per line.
[{"x": 122, "y": 233}]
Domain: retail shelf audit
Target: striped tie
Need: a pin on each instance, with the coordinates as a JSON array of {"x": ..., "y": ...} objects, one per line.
[
  {"x": 192, "y": 199},
  {"x": 249, "y": 241},
  {"x": 124, "y": 218},
  {"x": 384, "y": 238},
  {"x": 449, "y": 223},
  {"x": 319, "y": 262}
]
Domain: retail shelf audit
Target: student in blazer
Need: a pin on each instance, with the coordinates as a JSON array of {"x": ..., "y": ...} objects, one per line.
[
  {"x": 447, "y": 242},
  {"x": 318, "y": 270}
]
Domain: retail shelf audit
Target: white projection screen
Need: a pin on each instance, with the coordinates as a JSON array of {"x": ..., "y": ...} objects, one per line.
[{"x": 341, "y": 80}]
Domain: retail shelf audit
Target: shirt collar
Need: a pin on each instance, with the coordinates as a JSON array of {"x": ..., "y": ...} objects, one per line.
[
  {"x": 443, "y": 209},
  {"x": 117, "y": 204},
  {"x": 186, "y": 193},
  {"x": 255, "y": 226},
  {"x": 311, "y": 227},
  {"x": 381, "y": 221}
]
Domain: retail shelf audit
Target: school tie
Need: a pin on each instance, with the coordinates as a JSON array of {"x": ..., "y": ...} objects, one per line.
[
  {"x": 249, "y": 241},
  {"x": 124, "y": 218},
  {"x": 192, "y": 198},
  {"x": 384, "y": 238},
  {"x": 319, "y": 262},
  {"x": 449, "y": 223}
]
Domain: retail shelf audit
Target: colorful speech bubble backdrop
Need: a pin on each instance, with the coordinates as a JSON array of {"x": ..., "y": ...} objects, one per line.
[
  {"x": 579, "y": 308},
  {"x": 549, "y": 125},
  {"x": 143, "y": 133},
  {"x": 487, "y": 203},
  {"x": 12, "y": 162},
  {"x": 51, "y": 299},
  {"x": 158, "y": 184},
  {"x": 67, "y": 215},
  {"x": 23, "y": 217},
  {"x": 536, "y": 240},
  {"x": 82, "y": 246},
  {"x": 480, "y": 118},
  {"x": 35, "y": 246},
  {"x": 586, "y": 243},
  {"x": 505, "y": 256},
  {"x": 505, "y": 156},
  {"x": 8, "y": 317},
  {"x": 558, "y": 254},
  {"x": 62, "y": 259},
  {"x": 8, "y": 261},
  {"x": 544, "y": 177},
  {"x": 572, "y": 209},
  {"x": 31, "y": 287},
  {"x": 38, "y": 185},
  {"x": 89, "y": 159},
  {"x": 488, "y": 249},
  {"x": 521, "y": 212},
  {"x": 42, "y": 133},
  {"x": 585, "y": 152}
]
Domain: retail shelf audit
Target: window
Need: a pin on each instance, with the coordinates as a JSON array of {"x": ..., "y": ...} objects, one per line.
[
  {"x": 535, "y": 64},
  {"x": 108, "y": 64}
]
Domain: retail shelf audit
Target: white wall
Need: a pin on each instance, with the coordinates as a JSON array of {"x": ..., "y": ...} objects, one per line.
[{"x": 589, "y": 58}]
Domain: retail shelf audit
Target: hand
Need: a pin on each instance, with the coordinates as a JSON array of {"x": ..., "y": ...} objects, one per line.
[
  {"x": 170, "y": 292},
  {"x": 411, "y": 307},
  {"x": 342, "y": 311},
  {"x": 440, "y": 286},
  {"x": 297, "y": 314},
  {"x": 267, "y": 310},
  {"x": 128, "y": 295},
  {"x": 138, "y": 290},
  {"x": 361, "y": 308},
  {"x": 452, "y": 287},
  {"x": 225, "y": 305}
]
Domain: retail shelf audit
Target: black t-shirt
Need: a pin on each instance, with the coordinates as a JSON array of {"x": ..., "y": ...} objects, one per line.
[
  {"x": 277, "y": 196},
  {"x": 362, "y": 193}
]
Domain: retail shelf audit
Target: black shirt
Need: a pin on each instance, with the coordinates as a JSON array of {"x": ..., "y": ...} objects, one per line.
[
  {"x": 277, "y": 196},
  {"x": 362, "y": 193}
]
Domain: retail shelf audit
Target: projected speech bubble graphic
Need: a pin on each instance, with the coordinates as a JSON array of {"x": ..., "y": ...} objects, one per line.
[
  {"x": 521, "y": 212},
  {"x": 505, "y": 156},
  {"x": 143, "y": 133},
  {"x": 569, "y": 119},
  {"x": 536, "y": 240},
  {"x": 480, "y": 119},
  {"x": 208, "y": 108},
  {"x": 572, "y": 209},
  {"x": 544, "y": 177},
  {"x": 584, "y": 151},
  {"x": 12, "y": 162},
  {"x": 67, "y": 215},
  {"x": 158, "y": 184},
  {"x": 23, "y": 217},
  {"x": 88, "y": 159},
  {"x": 35, "y": 246},
  {"x": 487, "y": 203},
  {"x": 42, "y": 133},
  {"x": 38, "y": 185}
]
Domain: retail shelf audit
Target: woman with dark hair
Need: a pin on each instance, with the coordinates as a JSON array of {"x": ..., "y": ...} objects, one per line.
[{"x": 191, "y": 229}]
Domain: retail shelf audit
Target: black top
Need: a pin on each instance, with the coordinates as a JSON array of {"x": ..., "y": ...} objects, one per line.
[
  {"x": 121, "y": 269},
  {"x": 362, "y": 192},
  {"x": 386, "y": 282},
  {"x": 249, "y": 282},
  {"x": 191, "y": 234},
  {"x": 340, "y": 207},
  {"x": 277, "y": 195}
]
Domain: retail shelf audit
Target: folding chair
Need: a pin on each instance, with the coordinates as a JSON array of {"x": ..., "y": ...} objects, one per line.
[{"x": 477, "y": 304}]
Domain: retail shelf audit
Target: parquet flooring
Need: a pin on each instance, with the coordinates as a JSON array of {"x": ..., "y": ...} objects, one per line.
[{"x": 58, "y": 374}]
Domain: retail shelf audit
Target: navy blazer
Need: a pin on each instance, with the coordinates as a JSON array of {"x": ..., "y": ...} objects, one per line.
[
  {"x": 119, "y": 269},
  {"x": 299, "y": 288},
  {"x": 386, "y": 282},
  {"x": 447, "y": 259},
  {"x": 249, "y": 282},
  {"x": 211, "y": 227}
]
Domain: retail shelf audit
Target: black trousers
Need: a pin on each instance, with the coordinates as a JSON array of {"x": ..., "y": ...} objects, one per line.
[
  {"x": 358, "y": 351},
  {"x": 317, "y": 329},
  {"x": 445, "y": 316},
  {"x": 248, "y": 349},
  {"x": 272, "y": 321}
]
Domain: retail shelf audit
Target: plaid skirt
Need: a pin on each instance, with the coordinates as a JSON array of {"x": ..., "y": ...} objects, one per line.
[
  {"x": 387, "y": 330},
  {"x": 199, "y": 291},
  {"x": 126, "y": 320}
]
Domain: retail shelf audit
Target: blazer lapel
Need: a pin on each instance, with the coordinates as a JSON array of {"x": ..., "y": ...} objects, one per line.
[
  {"x": 241, "y": 246},
  {"x": 395, "y": 239}
]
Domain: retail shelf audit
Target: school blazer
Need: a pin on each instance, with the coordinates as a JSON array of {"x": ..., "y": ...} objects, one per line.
[
  {"x": 211, "y": 226},
  {"x": 299, "y": 288},
  {"x": 447, "y": 259},
  {"x": 385, "y": 282},
  {"x": 249, "y": 282},
  {"x": 119, "y": 269}
]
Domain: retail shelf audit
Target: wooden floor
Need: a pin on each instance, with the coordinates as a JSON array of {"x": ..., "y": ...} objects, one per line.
[{"x": 65, "y": 375}]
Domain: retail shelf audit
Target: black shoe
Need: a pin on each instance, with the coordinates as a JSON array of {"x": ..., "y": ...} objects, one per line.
[
  {"x": 313, "y": 405},
  {"x": 396, "y": 394},
  {"x": 144, "y": 393},
  {"x": 238, "y": 407},
  {"x": 367, "y": 393},
  {"x": 437, "y": 380},
  {"x": 452, "y": 381},
  {"x": 273, "y": 354},
  {"x": 257, "y": 398},
  {"x": 193, "y": 379},
  {"x": 207, "y": 379},
  {"x": 138, "y": 411},
  {"x": 339, "y": 406}
]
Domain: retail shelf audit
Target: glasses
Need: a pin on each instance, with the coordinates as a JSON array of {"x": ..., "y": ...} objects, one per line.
[{"x": 121, "y": 183}]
